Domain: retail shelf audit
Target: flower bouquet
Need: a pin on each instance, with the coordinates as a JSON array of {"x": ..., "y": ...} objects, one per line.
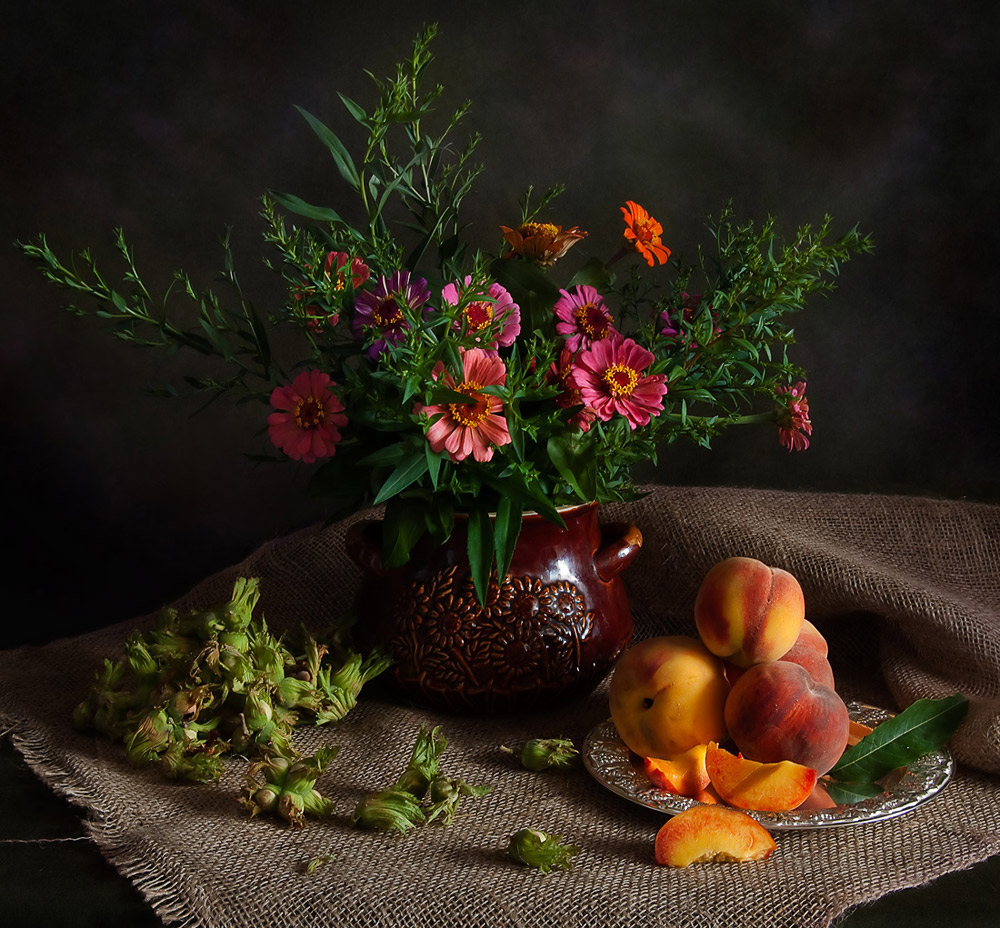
[{"x": 412, "y": 370}]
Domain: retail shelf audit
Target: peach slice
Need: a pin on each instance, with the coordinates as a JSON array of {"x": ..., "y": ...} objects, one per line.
[
  {"x": 684, "y": 774},
  {"x": 711, "y": 833},
  {"x": 749, "y": 784},
  {"x": 856, "y": 731}
]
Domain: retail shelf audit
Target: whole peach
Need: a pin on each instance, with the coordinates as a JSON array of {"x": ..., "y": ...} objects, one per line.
[
  {"x": 777, "y": 711},
  {"x": 747, "y": 612},
  {"x": 667, "y": 695},
  {"x": 818, "y": 666},
  {"x": 811, "y": 637},
  {"x": 810, "y": 651}
]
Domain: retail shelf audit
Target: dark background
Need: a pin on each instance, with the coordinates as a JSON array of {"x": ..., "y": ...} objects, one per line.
[{"x": 170, "y": 119}]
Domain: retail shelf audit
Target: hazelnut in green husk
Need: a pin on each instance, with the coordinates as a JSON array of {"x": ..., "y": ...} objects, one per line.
[
  {"x": 542, "y": 851},
  {"x": 541, "y": 753}
]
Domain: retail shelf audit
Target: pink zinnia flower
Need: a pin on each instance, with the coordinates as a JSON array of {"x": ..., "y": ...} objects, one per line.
[
  {"x": 561, "y": 373},
  {"x": 583, "y": 317},
  {"x": 478, "y": 426},
  {"x": 793, "y": 417},
  {"x": 500, "y": 309},
  {"x": 380, "y": 313},
  {"x": 609, "y": 375},
  {"x": 309, "y": 418}
]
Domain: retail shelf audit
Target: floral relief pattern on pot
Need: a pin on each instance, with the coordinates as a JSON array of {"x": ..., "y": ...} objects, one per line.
[{"x": 548, "y": 630}]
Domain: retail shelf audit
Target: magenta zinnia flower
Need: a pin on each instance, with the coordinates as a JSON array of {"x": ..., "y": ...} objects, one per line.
[
  {"x": 793, "y": 417},
  {"x": 583, "y": 317},
  {"x": 478, "y": 426},
  {"x": 499, "y": 309},
  {"x": 609, "y": 375},
  {"x": 379, "y": 313},
  {"x": 309, "y": 418}
]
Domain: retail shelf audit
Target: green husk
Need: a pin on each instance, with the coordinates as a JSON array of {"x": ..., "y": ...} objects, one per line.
[
  {"x": 539, "y": 754},
  {"x": 544, "y": 852},
  {"x": 207, "y": 683},
  {"x": 422, "y": 793}
]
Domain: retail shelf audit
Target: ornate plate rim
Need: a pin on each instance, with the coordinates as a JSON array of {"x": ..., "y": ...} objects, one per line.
[{"x": 609, "y": 762}]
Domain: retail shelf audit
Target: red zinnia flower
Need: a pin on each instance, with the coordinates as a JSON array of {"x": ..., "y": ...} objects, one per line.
[
  {"x": 793, "y": 417},
  {"x": 309, "y": 418},
  {"x": 315, "y": 313},
  {"x": 478, "y": 426},
  {"x": 643, "y": 232},
  {"x": 561, "y": 373},
  {"x": 609, "y": 375}
]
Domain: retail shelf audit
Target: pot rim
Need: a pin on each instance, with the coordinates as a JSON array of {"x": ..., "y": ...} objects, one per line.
[{"x": 569, "y": 507}]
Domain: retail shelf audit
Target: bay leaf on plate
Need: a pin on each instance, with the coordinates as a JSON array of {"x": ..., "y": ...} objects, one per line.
[{"x": 923, "y": 727}]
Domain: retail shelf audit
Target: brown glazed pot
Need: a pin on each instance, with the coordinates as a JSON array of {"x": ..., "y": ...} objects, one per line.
[{"x": 548, "y": 632}]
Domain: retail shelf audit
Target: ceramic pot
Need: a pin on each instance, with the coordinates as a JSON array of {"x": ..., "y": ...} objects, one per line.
[{"x": 549, "y": 630}]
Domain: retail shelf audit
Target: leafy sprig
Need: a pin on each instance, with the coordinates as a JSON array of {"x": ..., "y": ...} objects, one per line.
[{"x": 719, "y": 329}]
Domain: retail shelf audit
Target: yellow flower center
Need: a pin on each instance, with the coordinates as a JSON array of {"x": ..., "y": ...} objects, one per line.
[
  {"x": 387, "y": 313},
  {"x": 621, "y": 379},
  {"x": 539, "y": 228},
  {"x": 644, "y": 232},
  {"x": 309, "y": 413},
  {"x": 473, "y": 413},
  {"x": 478, "y": 316},
  {"x": 590, "y": 321}
]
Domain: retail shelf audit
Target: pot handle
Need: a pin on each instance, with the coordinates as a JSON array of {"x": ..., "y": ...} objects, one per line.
[
  {"x": 364, "y": 550},
  {"x": 620, "y": 543}
]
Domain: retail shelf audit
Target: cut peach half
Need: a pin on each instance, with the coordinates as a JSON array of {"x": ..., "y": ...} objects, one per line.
[
  {"x": 711, "y": 833},
  {"x": 748, "y": 784},
  {"x": 684, "y": 774}
]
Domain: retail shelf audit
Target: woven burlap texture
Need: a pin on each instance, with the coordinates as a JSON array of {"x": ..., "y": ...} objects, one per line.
[{"x": 904, "y": 588}]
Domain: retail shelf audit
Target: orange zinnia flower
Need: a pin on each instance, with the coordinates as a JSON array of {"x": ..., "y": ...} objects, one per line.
[
  {"x": 643, "y": 232},
  {"x": 542, "y": 242}
]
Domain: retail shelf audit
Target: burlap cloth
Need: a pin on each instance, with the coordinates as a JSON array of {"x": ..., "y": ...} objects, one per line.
[{"x": 906, "y": 590}]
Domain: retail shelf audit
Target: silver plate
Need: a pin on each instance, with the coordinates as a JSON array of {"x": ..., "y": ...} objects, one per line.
[{"x": 613, "y": 765}]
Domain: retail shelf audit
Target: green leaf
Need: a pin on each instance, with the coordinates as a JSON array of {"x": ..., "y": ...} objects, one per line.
[
  {"x": 530, "y": 495},
  {"x": 924, "y": 727},
  {"x": 848, "y": 793},
  {"x": 434, "y": 460},
  {"x": 355, "y": 110},
  {"x": 390, "y": 454},
  {"x": 576, "y": 465},
  {"x": 341, "y": 156},
  {"x": 403, "y": 525},
  {"x": 480, "y": 550},
  {"x": 299, "y": 206},
  {"x": 408, "y": 471},
  {"x": 505, "y": 532},
  {"x": 594, "y": 274}
]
